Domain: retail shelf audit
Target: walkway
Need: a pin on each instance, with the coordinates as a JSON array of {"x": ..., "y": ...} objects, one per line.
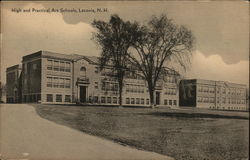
[{"x": 25, "y": 136}]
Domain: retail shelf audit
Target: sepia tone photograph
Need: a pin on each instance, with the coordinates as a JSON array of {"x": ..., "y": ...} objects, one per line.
[{"x": 124, "y": 80}]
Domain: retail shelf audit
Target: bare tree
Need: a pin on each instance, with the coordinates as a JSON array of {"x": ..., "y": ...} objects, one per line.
[
  {"x": 157, "y": 44},
  {"x": 115, "y": 38}
]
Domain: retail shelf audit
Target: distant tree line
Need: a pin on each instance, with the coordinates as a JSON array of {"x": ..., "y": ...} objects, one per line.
[{"x": 129, "y": 46}]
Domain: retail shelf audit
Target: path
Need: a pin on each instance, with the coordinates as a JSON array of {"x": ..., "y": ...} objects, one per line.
[{"x": 25, "y": 136}]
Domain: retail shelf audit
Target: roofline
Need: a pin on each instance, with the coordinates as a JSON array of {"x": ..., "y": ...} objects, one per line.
[
  {"x": 17, "y": 66},
  {"x": 195, "y": 79}
]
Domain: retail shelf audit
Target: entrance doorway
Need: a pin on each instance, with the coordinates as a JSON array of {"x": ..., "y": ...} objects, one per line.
[
  {"x": 157, "y": 98},
  {"x": 83, "y": 94}
]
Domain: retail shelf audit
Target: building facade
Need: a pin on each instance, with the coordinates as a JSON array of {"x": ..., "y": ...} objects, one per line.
[
  {"x": 56, "y": 78},
  {"x": 13, "y": 84},
  {"x": 210, "y": 94}
]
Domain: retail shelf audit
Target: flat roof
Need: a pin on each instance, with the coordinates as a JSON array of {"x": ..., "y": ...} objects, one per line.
[
  {"x": 48, "y": 54},
  {"x": 216, "y": 82},
  {"x": 15, "y": 67}
]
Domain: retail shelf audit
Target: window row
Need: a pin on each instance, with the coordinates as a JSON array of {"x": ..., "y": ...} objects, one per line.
[
  {"x": 171, "y": 91},
  {"x": 170, "y": 79},
  {"x": 229, "y": 108},
  {"x": 231, "y": 91},
  {"x": 134, "y": 88},
  {"x": 108, "y": 86},
  {"x": 31, "y": 98},
  {"x": 206, "y": 89},
  {"x": 206, "y": 99},
  {"x": 170, "y": 102},
  {"x": 57, "y": 65},
  {"x": 102, "y": 99},
  {"x": 222, "y": 100},
  {"x": 236, "y": 101},
  {"x": 58, "y": 82},
  {"x": 238, "y": 108},
  {"x": 59, "y": 98},
  {"x": 136, "y": 101},
  {"x": 234, "y": 91}
]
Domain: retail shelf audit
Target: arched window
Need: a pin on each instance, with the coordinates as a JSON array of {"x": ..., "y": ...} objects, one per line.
[{"x": 83, "y": 71}]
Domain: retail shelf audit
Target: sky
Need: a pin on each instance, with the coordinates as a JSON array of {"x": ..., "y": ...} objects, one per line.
[{"x": 221, "y": 29}]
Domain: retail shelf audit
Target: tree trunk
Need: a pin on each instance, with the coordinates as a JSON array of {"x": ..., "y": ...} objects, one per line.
[
  {"x": 152, "y": 102},
  {"x": 120, "y": 83},
  {"x": 151, "y": 94}
]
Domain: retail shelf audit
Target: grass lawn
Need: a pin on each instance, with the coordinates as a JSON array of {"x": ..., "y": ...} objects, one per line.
[{"x": 182, "y": 134}]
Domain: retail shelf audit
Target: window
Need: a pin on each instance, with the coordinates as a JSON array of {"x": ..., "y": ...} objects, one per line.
[
  {"x": 127, "y": 101},
  {"x": 137, "y": 89},
  {"x": 34, "y": 99},
  {"x": 147, "y": 101},
  {"x": 49, "y": 65},
  {"x": 67, "y": 66},
  {"x": 218, "y": 99},
  {"x": 171, "y": 91},
  {"x": 211, "y": 99},
  {"x": 175, "y": 102},
  {"x": 62, "y": 66},
  {"x": 83, "y": 71},
  {"x": 142, "y": 100},
  {"x": 49, "y": 97},
  {"x": 165, "y": 102},
  {"x": 95, "y": 99},
  {"x": 242, "y": 101},
  {"x": 56, "y": 65},
  {"x": 142, "y": 89},
  {"x": 67, "y": 98},
  {"x": 233, "y": 92},
  {"x": 112, "y": 86},
  {"x": 238, "y": 92},
  {"x": 174, "y": 91},
  {"x": 103, "y": 99},
  {"x": 115, "y": 100},
  {"x": 132, "y": 101},
  {"x": 90, "y": 99},
  {"x": 116, "y": 87},
  {"x": 127, "y": 87},
  {"x": 109, "y": 99},
  {"x": 67, "y": 83},
  {"x": 205, "y": 89},
  {"x": 38, "y": 97},
  {"x": 243, "y": 93},
  {"x": 58, "y": 98},
  {"x": 96, "y": 69},
  {"x": 55, "y": 82},
  {"x": 107, "y": 86},
  {"x": 34, "y": 66},
  {"x": 218, "y": 90},
  {"x": 199, "y": 99},
  {"x": 49, "y": 81},
  {"x": 224, "y": 91},
  {"x": 223, "y": 100},
  {"x": 103, "y": 86},
  {"x": 61, "y": 82},
  {"x": 96, "y": 85},
  {"x": 211, "y": 90},
  {"x": 137, "y": 100},
  {"x": 170, "y": 102},
  {"x": 132, "y": 88},
  {"x": 205, "y": 99}
]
